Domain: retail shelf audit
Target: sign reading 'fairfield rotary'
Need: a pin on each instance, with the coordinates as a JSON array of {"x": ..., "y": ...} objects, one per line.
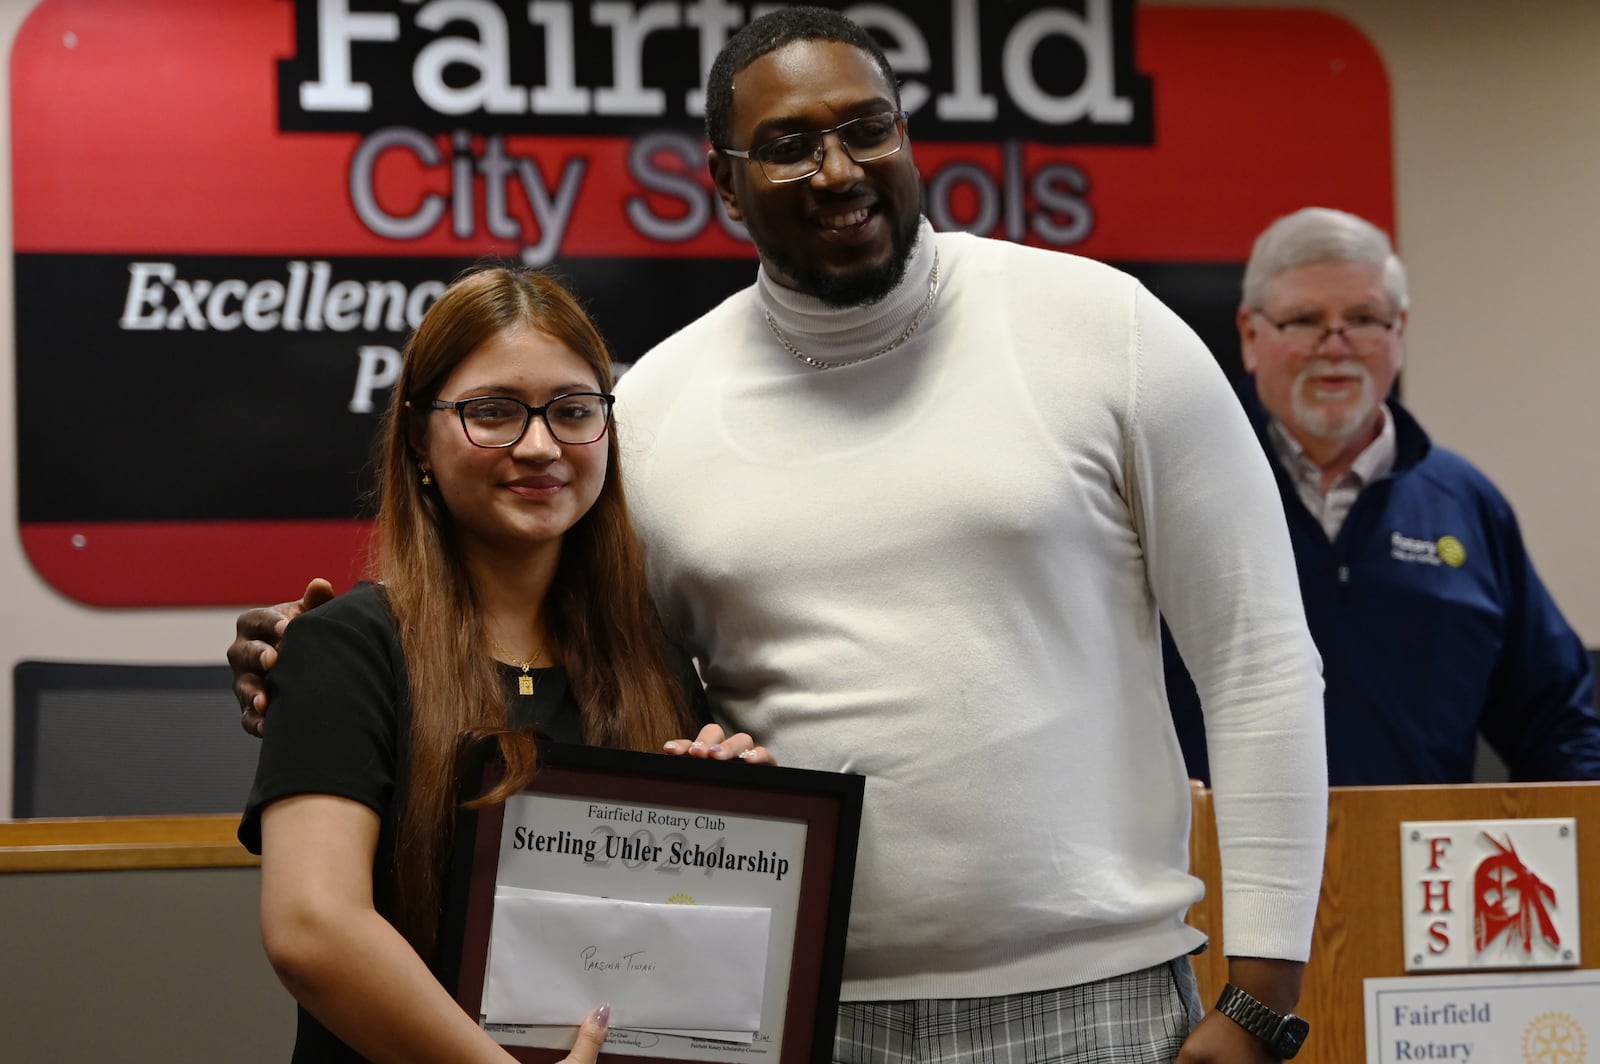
[
  {"x": 1505, "y": 1018},
  {"x": 1490, "y": 894},
  {"x": 228, "y": 216}
]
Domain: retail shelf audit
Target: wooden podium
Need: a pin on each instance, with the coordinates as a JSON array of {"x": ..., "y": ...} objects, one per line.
[{"x": 1359, "y": 933}]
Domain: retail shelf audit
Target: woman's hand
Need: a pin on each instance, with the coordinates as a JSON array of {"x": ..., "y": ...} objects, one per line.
[
  {"x": 590, "y": 1037},
  {"x": 713, "y": 743}
]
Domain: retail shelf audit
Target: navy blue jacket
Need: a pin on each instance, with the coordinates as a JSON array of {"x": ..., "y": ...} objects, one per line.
[{"x": 1433, "y": 627}]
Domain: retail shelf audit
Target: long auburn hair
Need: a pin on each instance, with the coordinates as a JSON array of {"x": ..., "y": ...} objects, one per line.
[{"x": 597, "y": 611}]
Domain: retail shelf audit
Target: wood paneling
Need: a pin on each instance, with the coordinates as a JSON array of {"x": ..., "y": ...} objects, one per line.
[
  {"x": 98, "y": 843},
  {"x": 1210, "y": 967}
]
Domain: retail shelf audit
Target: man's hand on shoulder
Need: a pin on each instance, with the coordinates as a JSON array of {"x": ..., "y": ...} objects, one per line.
[{"x": 254, "y": 650}]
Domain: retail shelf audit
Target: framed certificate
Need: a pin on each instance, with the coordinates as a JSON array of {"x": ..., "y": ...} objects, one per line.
[{"x": 705, "y": 901}]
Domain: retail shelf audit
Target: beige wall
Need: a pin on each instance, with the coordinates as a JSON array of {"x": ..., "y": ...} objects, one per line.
[
  {"x": 1497, "y": 151},
  {"x": 1497, "y": 167}
]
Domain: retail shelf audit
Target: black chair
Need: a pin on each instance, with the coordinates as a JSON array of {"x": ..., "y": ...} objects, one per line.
[{"x": 127, "y": 740}]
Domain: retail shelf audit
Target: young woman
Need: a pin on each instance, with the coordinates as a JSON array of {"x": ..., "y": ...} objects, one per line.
[{"x": 512, "y": 599}]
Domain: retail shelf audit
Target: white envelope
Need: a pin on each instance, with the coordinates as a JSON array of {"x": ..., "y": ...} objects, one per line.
[{"x": 554, "y": 957}]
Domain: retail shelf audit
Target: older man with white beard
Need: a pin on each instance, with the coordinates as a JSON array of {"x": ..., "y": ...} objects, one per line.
[{"x": 1432, "y": 624}]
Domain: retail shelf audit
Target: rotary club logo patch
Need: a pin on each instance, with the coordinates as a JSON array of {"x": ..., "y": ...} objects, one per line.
[
  {"x": 1554, "y": 1038},
  {"x": 1451, "y": 551},
  {"x": 681, "y": 899}
]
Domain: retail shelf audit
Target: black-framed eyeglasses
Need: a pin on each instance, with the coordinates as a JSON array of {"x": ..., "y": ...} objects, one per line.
[
  {"x": 1361, "y": 333},
  {"x": 500, "y": 421},
  {"x": 797, "y": 156}
]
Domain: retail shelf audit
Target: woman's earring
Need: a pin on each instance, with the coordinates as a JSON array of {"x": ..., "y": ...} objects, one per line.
[{"x": 426, "y": 479}]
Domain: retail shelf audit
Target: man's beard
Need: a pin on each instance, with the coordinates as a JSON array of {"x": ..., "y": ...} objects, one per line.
[
  {"x": 857, "y": 287},
  {"x": 1316, "y": 420}
]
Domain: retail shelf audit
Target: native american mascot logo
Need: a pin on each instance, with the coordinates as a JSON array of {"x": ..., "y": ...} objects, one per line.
[{"x": 1509, "y": 899}]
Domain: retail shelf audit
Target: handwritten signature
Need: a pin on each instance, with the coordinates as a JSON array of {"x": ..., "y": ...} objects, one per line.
[{"x": 627, "y": 962}]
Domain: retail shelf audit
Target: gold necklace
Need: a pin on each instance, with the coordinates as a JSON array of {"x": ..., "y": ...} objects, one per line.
[{"x": 525, "y": 682}]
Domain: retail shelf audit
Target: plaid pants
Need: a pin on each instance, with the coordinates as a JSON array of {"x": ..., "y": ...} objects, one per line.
[{"x": 1139, "y": 1018}]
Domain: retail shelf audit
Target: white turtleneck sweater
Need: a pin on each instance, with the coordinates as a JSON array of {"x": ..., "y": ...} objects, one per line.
[{"x": 942, "y": 568}]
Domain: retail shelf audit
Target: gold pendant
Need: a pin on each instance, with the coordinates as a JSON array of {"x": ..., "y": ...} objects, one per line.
[{"x": 524, "y": 684}]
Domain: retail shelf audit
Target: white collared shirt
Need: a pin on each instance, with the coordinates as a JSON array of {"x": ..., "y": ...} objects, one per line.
[{"x": 1331, "y": 507}]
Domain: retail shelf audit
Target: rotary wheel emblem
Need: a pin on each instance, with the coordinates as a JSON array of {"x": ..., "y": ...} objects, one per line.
[
  {"x": 1452, "y": 552},
  {"x": 1553, "y": 1038}
]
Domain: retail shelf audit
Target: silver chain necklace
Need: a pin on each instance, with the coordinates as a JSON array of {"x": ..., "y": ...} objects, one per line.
[{"x": 916, "y": 323}]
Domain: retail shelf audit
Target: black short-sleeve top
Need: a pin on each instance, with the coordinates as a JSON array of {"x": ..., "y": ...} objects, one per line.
[{"x": 339, "y": 724}]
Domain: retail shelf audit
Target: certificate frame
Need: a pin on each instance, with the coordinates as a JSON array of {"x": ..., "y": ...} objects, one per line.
[{"x": 827, "y": 803}]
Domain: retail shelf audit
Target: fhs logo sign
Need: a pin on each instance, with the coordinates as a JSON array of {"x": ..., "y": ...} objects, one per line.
[
  {"x": 1509, "y": 899},
  {"x": 1524, "y": 894}
]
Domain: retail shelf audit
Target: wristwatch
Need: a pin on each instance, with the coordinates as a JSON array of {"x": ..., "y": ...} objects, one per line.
[{"x": 1283, "y": 1034}]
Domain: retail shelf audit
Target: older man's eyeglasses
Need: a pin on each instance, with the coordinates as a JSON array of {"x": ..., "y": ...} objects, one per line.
[
  {"x": 1361, "y": 332},
  {"x": 500, "y": 421},
  {"x": 798, "y": 156}
]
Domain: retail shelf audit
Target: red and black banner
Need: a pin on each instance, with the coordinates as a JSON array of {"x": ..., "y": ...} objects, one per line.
[{"x": 228, "y": 216}]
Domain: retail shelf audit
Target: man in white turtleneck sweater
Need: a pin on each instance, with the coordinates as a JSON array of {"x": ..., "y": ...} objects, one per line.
[
  {"x": 917, "y": 502},
  {"x": 914, "y": 501}
]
